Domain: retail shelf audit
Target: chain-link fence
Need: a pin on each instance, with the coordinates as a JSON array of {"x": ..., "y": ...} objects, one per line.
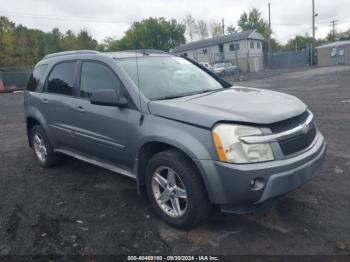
[
  {"x": 288, "y": 59},
  {"x": 15, "y": 77}
]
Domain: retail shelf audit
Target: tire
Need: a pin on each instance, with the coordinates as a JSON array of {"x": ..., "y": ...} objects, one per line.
[
  {"x": 51, "y": 157},
  {"x": 198, "y": 205}
]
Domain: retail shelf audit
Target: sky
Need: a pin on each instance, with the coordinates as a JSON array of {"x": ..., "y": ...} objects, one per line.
[{"x": 111, "y": 18}]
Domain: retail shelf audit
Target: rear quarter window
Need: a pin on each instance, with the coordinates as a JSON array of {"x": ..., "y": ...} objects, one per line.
[{"x": 35, "y": 77}]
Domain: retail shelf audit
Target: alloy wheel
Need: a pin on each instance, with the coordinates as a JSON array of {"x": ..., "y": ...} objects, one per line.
[{"x": 169, "y": 191}]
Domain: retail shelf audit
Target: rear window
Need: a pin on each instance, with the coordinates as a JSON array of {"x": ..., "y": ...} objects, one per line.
[
  {"x": 61, "y": 79},
  {"x": 35, "y": 77}
]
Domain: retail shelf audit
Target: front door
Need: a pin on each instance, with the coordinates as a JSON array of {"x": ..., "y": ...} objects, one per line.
[{"x": 101, "y": 131}]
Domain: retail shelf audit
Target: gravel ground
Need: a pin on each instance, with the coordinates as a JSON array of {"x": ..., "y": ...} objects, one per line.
[{"x": 77, "y": 208}]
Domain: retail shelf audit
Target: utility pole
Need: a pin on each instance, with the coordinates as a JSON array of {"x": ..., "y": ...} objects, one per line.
[
  {"x": 333, "y": 24},
  {"x": 223, "y": 26},
  {"x": 269, "y": 47},
  {"x": 313, "y": 34}
]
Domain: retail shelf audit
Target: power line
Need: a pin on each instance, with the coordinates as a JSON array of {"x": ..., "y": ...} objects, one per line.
[{"x": 73, "y": 19}]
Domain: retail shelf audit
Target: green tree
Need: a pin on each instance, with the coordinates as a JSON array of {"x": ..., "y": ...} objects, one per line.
[
  {"x": 7, "y": 41},
  {"x": 152, "y": 33},
  {"x": 231, "y": 29},
  {"x": 253, "y": 20},
  {"x": 299, "y": 43},
  {"x": 85, "y": 41}
]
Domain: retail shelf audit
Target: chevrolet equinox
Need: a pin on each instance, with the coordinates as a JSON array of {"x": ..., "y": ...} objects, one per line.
[{"x": 188, "y": 138}]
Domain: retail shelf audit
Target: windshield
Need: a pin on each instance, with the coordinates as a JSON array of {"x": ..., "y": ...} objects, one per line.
[
  {"x": 164, "y": 77},
  {"x": 219, "y": 65}
]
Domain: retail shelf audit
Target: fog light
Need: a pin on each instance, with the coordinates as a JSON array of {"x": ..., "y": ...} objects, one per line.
[{"x": 257, "y": 183}]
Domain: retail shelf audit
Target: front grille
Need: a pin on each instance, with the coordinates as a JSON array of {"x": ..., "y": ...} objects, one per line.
[{"x": 300, "y": 142}]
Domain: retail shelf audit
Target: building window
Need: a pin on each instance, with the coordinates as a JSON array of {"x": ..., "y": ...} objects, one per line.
[
  {"x": 237, "y": 47},
  {"x": 258, "y": 45},
  {"x": 232, "y": 47},
  {"x": 205, "y": 51},
  {"x": 251, "y": 45}
]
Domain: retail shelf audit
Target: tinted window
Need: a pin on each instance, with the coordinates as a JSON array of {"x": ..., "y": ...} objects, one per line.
[
  {"x": 96, "y": 76},
  {"x": 35, "y": 77},
  {"x": 61, "y": 79}
]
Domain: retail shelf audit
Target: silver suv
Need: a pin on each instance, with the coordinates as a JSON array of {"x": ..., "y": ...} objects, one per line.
[{"x": 186, "y": 136}]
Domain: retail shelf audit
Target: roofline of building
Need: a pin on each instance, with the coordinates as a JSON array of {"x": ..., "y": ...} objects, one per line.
[
  {"x": 333, "y": 44},
  {"x": 204, "y": 43}
]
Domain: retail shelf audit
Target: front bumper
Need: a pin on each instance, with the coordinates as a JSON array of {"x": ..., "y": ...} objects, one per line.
[{"x": 230, "y": 184}]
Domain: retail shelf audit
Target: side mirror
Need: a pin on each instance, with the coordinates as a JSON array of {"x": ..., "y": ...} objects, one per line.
[{"x": 108, "y": 97}]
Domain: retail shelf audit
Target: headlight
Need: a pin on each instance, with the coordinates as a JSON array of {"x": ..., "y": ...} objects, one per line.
[{"x": 231, "y": 149}]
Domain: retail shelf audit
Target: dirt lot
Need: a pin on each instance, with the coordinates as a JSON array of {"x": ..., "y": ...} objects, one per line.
[{"x": 76, "y": 208}]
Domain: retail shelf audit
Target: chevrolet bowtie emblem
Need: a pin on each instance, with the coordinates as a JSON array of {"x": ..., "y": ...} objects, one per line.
[{"x": 306, "y": 128}]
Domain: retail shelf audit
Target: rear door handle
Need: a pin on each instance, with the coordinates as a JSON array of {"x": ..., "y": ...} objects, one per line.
[
  {"x": 44, "y": 100},
  {"x": 81, "y": 109}
]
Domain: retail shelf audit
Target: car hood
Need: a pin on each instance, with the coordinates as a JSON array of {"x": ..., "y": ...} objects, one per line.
[{"x": 236, "y": 104}]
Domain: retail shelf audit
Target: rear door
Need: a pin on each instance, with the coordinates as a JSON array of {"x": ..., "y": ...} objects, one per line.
[
  {"x": 56, "y": 101},
  {"x": 101, "y": 131}
]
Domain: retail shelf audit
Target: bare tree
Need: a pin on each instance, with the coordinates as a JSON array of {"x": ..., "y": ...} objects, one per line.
[
  {"x": 202, "y": 29},
  {"x": 191, "y": 27},
  {"x": 216, "y": 30}
]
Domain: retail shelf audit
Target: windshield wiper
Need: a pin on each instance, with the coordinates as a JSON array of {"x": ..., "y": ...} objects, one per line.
[
  {"x": 170, "y": 97},
  {"x": 191, "y": 94}
]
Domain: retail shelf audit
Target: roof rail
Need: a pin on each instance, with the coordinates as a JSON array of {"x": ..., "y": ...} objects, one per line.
[
  {"x": 71, "y": 53},
  {"x": 143, "y": 51}
]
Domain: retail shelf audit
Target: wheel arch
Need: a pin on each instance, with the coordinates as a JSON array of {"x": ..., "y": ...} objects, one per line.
[
  {"x": 32, "y": 119},
  {"x": 151, "y": 148}
]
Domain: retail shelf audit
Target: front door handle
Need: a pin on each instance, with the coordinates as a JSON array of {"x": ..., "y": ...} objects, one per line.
[
  {"x": 44, "y": 100},
  {"x": 81, "y": 109}
]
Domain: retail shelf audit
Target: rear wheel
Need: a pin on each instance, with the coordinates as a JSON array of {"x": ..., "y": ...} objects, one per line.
[
  {"x": 42, "y": 148},
  {"x": 176, "y": 190}
]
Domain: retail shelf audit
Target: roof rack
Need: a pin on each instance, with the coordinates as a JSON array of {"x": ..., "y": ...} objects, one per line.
[
  {"x": 143, "y": 51},
  {"x": 71, "y": 53}
]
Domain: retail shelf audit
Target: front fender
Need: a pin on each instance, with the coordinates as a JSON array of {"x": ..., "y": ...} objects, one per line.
[{"x": 194, "y": 141}]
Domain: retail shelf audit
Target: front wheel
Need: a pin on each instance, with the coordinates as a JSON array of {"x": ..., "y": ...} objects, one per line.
[{"x": 175, "y": 189}]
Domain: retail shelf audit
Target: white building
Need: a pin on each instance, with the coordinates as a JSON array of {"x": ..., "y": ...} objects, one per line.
[{"x": 243, "y": 49}]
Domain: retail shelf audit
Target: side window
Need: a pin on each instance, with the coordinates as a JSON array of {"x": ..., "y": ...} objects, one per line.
[
  {"x": 35, "y": 77},
  {"x": 96, "y": 76},
  {"x": 61, "y": 79}
]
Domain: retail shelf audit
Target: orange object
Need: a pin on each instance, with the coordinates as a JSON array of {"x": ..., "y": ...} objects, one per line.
[{"x": 219, "y": 148}]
